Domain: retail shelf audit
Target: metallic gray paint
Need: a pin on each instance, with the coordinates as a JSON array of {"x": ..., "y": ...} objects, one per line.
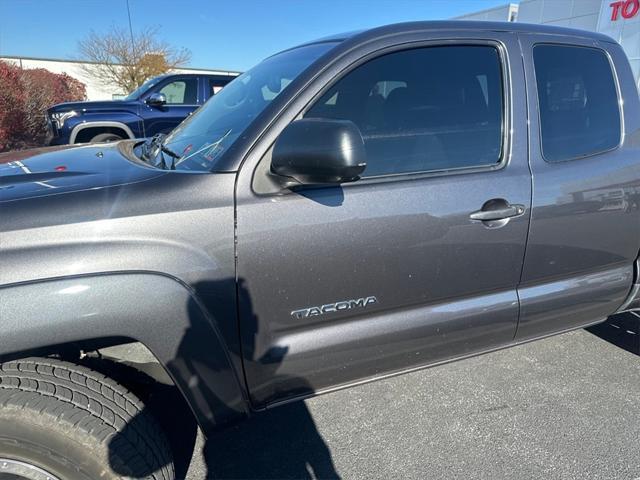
[
  {"x": 168, "y": 319},
  {"x": 328, "y": 354},
  {"x": 585, "y": 218},
  {"x": 561, "y": 304},
  {"x": 408, "y": 240},
  {"x": 166, "y": 222},
  {"x": 58, "y": 170},
  {"x": 157, "y": 249}
]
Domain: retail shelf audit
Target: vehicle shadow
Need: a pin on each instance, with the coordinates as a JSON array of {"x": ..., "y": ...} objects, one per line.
[
  {"x": 622, "y": 330},
  {"x": 282, "y": 443}
]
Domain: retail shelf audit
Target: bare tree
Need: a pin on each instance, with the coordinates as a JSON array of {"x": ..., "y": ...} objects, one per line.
[{"x": 117, "y": 59}]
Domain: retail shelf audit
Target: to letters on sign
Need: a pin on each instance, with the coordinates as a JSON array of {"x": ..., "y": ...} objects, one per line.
[{"x": 626, "y": 8}]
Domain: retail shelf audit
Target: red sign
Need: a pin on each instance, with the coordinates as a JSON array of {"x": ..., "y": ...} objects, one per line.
[{"x": 626, "y": 8}]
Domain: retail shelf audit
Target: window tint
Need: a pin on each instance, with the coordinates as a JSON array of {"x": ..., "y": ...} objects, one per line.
[
  {"x": 579, "y": 113},
  {"x": 423, "y": 109},
  {"x": 181, "y": 92}
]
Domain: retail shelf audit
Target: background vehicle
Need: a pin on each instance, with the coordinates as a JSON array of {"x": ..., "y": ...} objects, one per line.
[
  {"x": 157, "y": 106},
  {"x": 352, "y": 208}
]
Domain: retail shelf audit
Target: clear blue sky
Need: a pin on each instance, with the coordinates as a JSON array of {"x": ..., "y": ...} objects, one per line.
[{"x": 233, "y": 34}]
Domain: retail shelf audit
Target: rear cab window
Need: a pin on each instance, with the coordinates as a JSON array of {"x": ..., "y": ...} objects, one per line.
[{"x": 578, "y": 102}]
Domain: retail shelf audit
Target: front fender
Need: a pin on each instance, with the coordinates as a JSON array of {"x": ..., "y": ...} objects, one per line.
[{"x": 154, "y": 309}]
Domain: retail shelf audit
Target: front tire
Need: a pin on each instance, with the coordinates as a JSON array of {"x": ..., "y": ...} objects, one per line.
[{"x": 76, "y": 424}]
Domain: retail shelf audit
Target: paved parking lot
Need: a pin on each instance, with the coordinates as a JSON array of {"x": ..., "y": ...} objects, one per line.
[{"x": 567, "y": 407}]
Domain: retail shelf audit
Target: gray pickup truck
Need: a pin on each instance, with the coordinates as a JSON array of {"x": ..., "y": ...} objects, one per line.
[{"x": 352, "y": 208}]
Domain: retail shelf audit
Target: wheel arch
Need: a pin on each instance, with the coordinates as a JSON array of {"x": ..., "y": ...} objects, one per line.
[
  {"x": 107, "y": 126},
  {"x": 156, "y": 310}
]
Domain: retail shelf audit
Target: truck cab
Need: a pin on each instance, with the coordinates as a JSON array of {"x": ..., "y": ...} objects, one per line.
[
  {"x": 157, "y": 106},
  {"x": 356, "y": 207}
]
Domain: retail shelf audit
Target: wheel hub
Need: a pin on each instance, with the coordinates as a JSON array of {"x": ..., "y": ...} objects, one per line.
[{"x": 18, "y": 470}]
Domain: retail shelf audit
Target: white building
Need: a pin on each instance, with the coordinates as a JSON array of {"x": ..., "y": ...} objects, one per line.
[
  {"x": 95, "y": 90},
  {"x": 620, "y": 19},
  {"x": 503, "y": 13}
]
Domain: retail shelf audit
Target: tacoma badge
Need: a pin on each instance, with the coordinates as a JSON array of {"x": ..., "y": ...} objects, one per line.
[{"x": 334, "y": 307}]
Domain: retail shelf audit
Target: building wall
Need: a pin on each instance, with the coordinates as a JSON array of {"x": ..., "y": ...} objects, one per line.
[
  {"x": 594, "y": 15},
  {"x": 95, "y": 90},
  {"x": 625, "y": 31},
  {"x": 503, "y": 13},
  {"x": 566, "y": 13}
]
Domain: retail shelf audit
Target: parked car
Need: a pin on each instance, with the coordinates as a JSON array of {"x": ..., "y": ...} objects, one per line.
[
  {"x": 157, "y": 106},
  {"x": 349, "y": 209}
]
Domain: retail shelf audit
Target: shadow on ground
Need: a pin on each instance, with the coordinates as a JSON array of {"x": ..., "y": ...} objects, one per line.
[
  {"x": 621, "y": 330},
  {"x": 281, "y": 443}
]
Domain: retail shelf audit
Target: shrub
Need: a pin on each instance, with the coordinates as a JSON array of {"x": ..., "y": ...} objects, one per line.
[{"x": 25, "y": 96}]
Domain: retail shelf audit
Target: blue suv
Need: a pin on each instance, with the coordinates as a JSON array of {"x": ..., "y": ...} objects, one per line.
[{"x": 157, "y": 106}]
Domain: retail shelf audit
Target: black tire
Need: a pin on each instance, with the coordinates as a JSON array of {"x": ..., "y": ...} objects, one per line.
[
  {"x": 77, "y": 424},
  {"x": 105, "y": 137}
]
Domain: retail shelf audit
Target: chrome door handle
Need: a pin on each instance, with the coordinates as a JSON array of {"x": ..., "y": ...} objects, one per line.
[{"x": 497, "y": 213}]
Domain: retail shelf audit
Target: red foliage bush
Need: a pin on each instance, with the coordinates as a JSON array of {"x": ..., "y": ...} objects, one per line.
[{"x": 25, "y": 96}]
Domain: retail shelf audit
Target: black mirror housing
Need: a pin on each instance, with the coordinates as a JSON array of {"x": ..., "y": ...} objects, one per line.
[
  {"x": 318, "y": 151},
  {"x": 156, "y": 99}
]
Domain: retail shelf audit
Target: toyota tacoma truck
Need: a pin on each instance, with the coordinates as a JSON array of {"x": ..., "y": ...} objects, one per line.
[
  {"x": 157, "y": 106},
  {"x": 352, "y": 208}
]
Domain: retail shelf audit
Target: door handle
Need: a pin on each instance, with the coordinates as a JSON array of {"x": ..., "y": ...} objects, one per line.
[{"x": 497, "y": 209}]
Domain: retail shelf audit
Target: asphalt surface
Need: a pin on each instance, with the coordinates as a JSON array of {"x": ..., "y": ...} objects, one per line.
[{"x": 567, "y": 407}]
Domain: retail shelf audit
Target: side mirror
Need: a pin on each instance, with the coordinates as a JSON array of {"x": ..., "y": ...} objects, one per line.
[
  {"x": 318, "y": 151},
  {"x": 156, "y": 100}
]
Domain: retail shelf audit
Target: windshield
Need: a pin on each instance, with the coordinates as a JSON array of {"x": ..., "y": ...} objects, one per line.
[
  {"x": 201, "y": 139},
  {"x": 143, "y": 88}
]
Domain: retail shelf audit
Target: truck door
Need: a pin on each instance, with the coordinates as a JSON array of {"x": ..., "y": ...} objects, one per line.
[
  {"x": 585, "y": 222},
  {"x": 399, "y": 269},
  {"x": 182, "y": 99}
]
